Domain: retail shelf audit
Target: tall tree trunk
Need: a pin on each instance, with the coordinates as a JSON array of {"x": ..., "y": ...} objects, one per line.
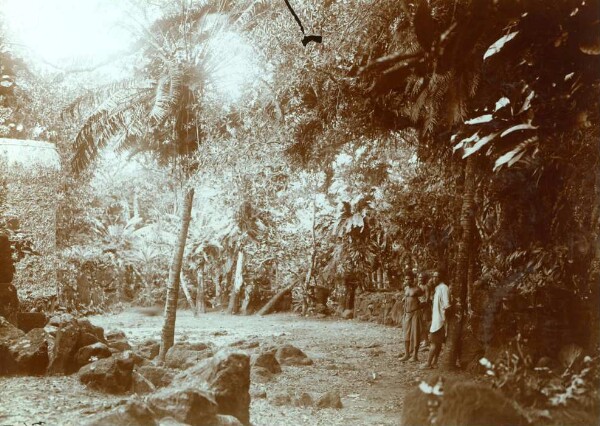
[
  {"x": 237, "y": 284},
  {"x": 200, "y": 305},
  {"x": 313, "y": 258},
  {"x": 459, "y": 288},
  {"x": 168, "y": 330}
]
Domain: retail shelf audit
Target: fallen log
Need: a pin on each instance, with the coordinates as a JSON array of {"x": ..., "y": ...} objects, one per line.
[{"x": 273, "y": 301}]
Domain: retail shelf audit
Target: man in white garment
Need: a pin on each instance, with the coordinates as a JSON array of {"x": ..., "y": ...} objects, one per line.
[{"x": 437, "y": 331}]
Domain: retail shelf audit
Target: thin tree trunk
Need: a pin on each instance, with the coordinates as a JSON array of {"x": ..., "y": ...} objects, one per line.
[
  {"x": 313, "y": 257},
  {"x": 168, "y": 330},
  {"x": 237, "y": 284},
  {"x": 273, "y": 301},
  {"x": 200, "y": 305},
  {"x": 248, "y": 290},
  {"x": 217, "y": 281},
  {"x": 459, "y": 287},
  {"x": 186, "y": 291}
]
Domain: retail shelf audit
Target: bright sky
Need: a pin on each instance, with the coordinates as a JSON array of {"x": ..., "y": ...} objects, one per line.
[
  {"x": 61, "y": 30},
  {"x": 64, "y": 32}
]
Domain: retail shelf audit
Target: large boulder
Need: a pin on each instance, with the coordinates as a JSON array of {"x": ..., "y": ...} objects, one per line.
[
  {"x": 140, "y": 385},
  {"x": 148, "y": 349},
  {"x": 158, "y": 376},
  {"x": 117, "y": 341},
  {"x": 462, "y": 404},
  {"x": 267, "y": 359},
  {"x": 65, "y": 347},
  {"x": 30, "y": 352},
  {"x": 228, "y": 376},
  {"x": 190, "y": 405},
  {"x": 61, "y": 319},
  {"x": 260, "y": 375},
  {"x": 186, "y": 355},
  {"x": 110, "y": 375},
  {"x": 330, "y": 399},
  {"x": 9, "y": 303},
  {"x": 471, "y": 404},
  {"x": 132, "y": 413},
  {"x": 27, "y": 321},
  {"x": 9, "y": 334},
  {"x": 89, "y": 333},
  {"x": 291, "y": 355},
  {"x": 91, "y": 353}
]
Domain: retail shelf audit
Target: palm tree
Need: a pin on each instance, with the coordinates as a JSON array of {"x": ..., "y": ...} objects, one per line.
[{"x": 159, "y": 110}]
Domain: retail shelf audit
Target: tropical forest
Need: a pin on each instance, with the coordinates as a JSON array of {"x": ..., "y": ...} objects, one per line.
[{"x": 284, "y": 212}]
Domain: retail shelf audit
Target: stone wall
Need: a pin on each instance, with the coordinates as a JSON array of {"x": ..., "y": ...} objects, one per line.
[
  {"x": 29, "y": 174},
  {"x": 382, "y": 307}
]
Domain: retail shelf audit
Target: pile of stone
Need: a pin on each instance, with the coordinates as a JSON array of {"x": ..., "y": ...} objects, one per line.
[
  {"x": 380, "y": 307},
  {"x": 197, "y": 384}
]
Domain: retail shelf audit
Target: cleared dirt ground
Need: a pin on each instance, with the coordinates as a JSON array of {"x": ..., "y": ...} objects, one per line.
[{"x": 358, "y": 359}]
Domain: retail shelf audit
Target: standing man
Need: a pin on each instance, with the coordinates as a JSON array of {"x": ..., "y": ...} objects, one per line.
[
  {"x": 437, "y": 331},
  {"x": 411, "y": 321}
]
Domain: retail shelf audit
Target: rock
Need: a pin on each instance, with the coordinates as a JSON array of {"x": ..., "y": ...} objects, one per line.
[
  {"x": 267, "y": 360},
  {"x": 51, "y": 330},
  {"x": 303, "y": 400},
  {"x": 132, "y": 413},
  {"x": 9, "y": 334},
  {"x": 260, "y": 375},
  {"x": 463, "y": 403},
  {"x": 330, "y": 399},
  {"x": 120, "y": 346},
  {"x": 280, "y": 398},
  {"x": 91, "y": 353},
  {"x": 158, "y": 376},
  {"x": 149, "y": 349},
  {"x": 348, "y": 314},
  {"x": 321, "y": 316},
  {"x": 65, "y": 346},
  {"x": 89, "y": 333},
  {"x": 291, "y": 355},
  {"x": 194, "y": 406},
  {"x": 224, "y": 420},
  {"x": 141, "y": 385},
  {"x": 115, "y": 335},
  {"x": 117, "y": 340},
  {"x": 60, "y": 319},
  {"x": 27, "y": 321},
  {"x": 9, "y": 303},
  {"x": 245, "y": 344},
  {"x": 471, "y": 404},
  {"x": 111, "y": 375},
  {"x": 30, "y": 353},
  {"x": 228, "y": 376},
  {"x": 186, "y": 355}
]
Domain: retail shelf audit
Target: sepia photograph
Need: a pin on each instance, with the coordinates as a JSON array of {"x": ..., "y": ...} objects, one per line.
[{"x": 300, "y": 212}]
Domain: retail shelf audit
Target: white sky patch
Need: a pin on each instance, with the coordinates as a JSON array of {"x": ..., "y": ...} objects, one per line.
[{"x": 65, "y": 30}]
